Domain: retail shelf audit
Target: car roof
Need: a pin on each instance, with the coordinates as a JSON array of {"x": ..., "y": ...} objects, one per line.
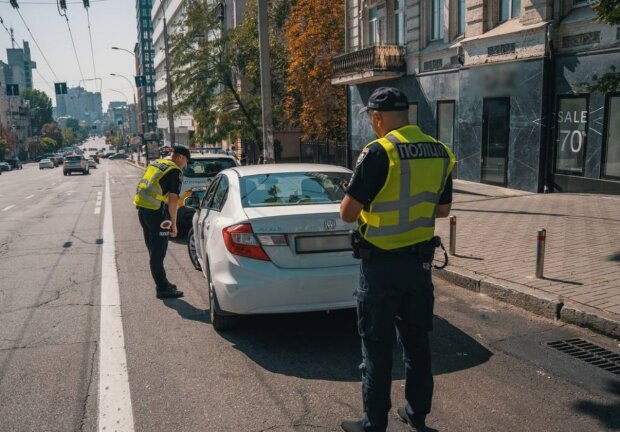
[
  {"x": 249, "y": 170},
  {"x": 196, "y": 156}
]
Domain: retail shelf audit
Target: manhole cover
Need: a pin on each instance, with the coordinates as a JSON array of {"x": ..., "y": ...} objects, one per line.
[{"x": 590, "y": 353}]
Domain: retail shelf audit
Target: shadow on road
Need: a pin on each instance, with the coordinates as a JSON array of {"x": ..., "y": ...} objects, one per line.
[
  {"x": 327, "y": 347},
  {"x": 608, "y": 414},
  {"x": 187, "y": 311}
]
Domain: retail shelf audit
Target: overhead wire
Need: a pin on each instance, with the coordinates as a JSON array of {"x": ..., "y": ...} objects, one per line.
[
  {"x": 17, "y": 43},
  {"x": 37, "y": 45},
  {"x": 92, "y": 50},
  {"x": 77, "y": 58}
]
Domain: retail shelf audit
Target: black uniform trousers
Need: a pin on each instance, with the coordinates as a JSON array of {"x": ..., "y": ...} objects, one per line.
[
  {"x": 395, "y": 293},
  {"x": 156, "y": 239}
]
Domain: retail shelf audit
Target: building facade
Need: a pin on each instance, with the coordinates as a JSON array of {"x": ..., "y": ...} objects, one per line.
[
  {"x": 145, "y": 55},
  {"x": 499, "y": 81},
  {"x": 18, "y": 68},
  {"x": 15, "y": 124},
  {"x": 80, "y": 104}
]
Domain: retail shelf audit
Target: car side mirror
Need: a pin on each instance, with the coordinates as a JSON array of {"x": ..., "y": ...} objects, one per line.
[{"x": 191, "y": 201}]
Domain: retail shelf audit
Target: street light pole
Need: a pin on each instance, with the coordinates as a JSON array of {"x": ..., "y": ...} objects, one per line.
[
  {"x": 171, "y": 131},
  {"x": 265, "y": 83},
  {"x": 146, "y": 125},
  {"x": 131, "y": 84}
]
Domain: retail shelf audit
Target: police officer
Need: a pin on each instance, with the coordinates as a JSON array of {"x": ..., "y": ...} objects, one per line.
[
  {"x": 401, "y": 183},
  {"x": 156, "y": 199}
]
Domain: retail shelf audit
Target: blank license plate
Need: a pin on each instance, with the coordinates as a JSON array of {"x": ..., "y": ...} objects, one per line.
[{"x": 316, "y": 244}]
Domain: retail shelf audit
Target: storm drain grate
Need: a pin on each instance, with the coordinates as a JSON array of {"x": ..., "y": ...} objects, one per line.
[{"x": 590, "y": 353}]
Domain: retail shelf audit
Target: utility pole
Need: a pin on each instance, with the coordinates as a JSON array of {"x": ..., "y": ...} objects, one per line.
[
  {"x": 171, "y": 132},
  {"x": 265, "y": 82}
]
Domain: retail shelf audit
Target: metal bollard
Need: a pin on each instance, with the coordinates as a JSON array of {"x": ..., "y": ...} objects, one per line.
[
  {"x": 540, "y": 252},
  {"x": 452, "y": 235}
]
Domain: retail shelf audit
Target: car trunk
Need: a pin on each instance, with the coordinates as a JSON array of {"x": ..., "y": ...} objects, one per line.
[{"x": 315, "y": 235}]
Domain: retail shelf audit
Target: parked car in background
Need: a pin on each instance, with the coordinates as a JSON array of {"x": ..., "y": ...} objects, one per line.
[
  {"x": 46, "y": 163},
  {"x": 75, "y": 163},
  {"x": 203, "y": 168},
  {"x": 91, "y": 163},
  {"x": 269, "y": 239},
  {"x": 118, "y": 156},
  {"x": 4, "y": 166},
  {"x": 15, "y": 163}
]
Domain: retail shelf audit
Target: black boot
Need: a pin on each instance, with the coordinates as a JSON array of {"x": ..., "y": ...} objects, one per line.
[
  {"x": 417, "y": 424},
  {"x": 170, "y": 291},
  {"x": 352, "y": 426}
]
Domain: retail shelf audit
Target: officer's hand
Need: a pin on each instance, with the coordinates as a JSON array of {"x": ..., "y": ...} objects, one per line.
[{"x": 173, "y": 231}]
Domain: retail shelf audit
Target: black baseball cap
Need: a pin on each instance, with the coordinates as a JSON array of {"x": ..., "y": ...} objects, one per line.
[
  {"x": 387, "y": 99},
  {"x": 183, "y": 151}
]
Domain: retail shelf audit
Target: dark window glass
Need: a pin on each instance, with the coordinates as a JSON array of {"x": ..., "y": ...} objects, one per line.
[
  {"x": 210, "y": 193},
  {"x": 445, "y": 122},
  {"x": 612, "y": 150},
  {"x": 207, "y": 167},
  {"x": 221, "y": 193},
  {"x": 571, "y": 140}
]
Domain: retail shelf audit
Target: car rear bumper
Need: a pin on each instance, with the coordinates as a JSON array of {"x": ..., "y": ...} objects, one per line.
[{"x": 250, "y": 286}]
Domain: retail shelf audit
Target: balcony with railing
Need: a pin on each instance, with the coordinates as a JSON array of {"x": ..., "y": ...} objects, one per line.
[{"x": 374, "y": 63}]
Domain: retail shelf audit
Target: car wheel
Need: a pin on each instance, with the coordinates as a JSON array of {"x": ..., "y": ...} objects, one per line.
[
  {"x": 219, "y": 322},
  {"x": 64, "y": 173},
  {"x": 191, "y": 249}
]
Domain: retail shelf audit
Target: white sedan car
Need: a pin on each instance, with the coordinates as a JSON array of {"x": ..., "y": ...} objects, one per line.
[{"x": 269, "y": 239}]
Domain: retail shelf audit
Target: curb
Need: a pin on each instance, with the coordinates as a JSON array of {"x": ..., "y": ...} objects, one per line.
[
  {"x": 535, "y": 301},
  {"x": 136, "y": 164}
]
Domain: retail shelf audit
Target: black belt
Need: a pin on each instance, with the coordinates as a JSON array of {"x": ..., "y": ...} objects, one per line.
[{"x": 403, "y": 250}]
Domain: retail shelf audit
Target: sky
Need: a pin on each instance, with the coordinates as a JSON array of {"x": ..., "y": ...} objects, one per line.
[{"x": 113, "y": 23}]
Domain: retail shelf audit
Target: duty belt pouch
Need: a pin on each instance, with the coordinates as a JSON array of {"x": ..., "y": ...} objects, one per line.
[
  {"x": 425, "y": 251},
  {"x": 361, "y": 250}
]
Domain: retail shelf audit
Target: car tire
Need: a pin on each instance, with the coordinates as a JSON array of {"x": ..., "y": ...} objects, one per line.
[
  {"x": 191, "y": 249},
  {"x": 64, "y": 173},
  {"x": 220, "y": 322}
]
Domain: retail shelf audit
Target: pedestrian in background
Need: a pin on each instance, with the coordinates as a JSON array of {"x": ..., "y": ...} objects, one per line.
[
  {"x": 156, "y": 199},
  {"x": 401, "y": 183}
]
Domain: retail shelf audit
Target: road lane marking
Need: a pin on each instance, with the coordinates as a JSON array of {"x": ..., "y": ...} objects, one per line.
[
  {"x": 29, "y": 196},
  {"x": 115, "y": 410},
  {"x": 9, "y": 207}
]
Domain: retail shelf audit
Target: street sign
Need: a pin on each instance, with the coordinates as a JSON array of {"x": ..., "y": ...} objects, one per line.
[
  {"x": 140, "y": 80},
  {"x": 12, "y": 89},
  {"x": 60, "y": 88}
]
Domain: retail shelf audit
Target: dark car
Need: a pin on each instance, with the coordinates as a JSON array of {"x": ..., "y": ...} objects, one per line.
[
  {"x": 4, "y": 166},
  {"x": 15, "y": 163},
  {"x": 118, "y": 156}
]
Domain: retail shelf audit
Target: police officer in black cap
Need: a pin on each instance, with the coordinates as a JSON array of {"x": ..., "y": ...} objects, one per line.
[
  {"x": 401, "y": 183},
  {"x": 156, "y": 199}
]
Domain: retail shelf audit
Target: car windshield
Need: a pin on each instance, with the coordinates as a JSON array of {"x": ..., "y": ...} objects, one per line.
[
  {"x": 207, "y": 167},
  {"x": 284, "y": 189}
]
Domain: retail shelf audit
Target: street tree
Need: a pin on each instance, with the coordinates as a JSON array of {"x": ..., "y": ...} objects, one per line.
[
  {"x": 48, "y": 145},
  {"x": 40, "y": 108},
  {"x": 313, "y": 37},
  {"x": 4, "y": 147},
  {"x": 608, "y": 12},
  {"x": 51, "y": 130}
]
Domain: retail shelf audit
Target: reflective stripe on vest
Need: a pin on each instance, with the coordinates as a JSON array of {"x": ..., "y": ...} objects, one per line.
[
  {"x": 411, "y": 225},
  {"x": 149, "y": 191}
]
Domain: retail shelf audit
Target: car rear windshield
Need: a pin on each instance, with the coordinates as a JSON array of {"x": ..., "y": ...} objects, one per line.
[
  {"x": 284, "y": 189},
  {"x": 207, "y": 167},
  {"x": 73, "y": 158}
]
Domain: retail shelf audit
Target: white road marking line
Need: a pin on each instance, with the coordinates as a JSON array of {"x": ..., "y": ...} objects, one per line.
[
  {"x": 115, "y": 410},
  {"x": 29, "y": 196},
  {"x": 9, "y": 207}
]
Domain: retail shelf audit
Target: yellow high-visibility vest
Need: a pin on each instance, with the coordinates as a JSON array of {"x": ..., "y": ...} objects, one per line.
[
  {"x": 149, "y": 193},
  {"x": 403, "y": 212}
]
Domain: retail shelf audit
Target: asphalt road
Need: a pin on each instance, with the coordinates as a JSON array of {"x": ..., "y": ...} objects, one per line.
[{"x": 493, "y": 370}]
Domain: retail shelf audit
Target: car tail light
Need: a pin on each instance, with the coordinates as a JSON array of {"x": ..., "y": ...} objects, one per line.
[{"x": 240, "y": 241}]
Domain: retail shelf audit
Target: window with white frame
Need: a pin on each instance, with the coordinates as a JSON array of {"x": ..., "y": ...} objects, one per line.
[
  {"x": 399, "y": 22},
  {"x": 437, "y": 19},
  {"x": 373, "y": 26},
  {"x": 509, "y": 9}
]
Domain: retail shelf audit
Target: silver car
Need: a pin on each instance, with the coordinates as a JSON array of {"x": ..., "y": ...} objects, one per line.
[{"x": 46, "y": 163}]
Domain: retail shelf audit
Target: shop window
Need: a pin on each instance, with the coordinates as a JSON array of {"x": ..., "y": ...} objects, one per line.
[
  {"x": 445, "y": 122},
  {"x": 413, "y": 113},
  {"x": 399, "y": 22},
  {"x": 437, "y": 19},
  {"x": 509, "y": 9},
  {"x": 611, "y": 165},
  {"x": 570, "y": 148}
]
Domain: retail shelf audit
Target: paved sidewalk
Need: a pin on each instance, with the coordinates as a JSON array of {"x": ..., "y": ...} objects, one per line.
[{"x": 496, "y": 243}]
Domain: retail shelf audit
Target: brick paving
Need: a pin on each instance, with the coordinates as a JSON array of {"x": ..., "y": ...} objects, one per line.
[{"x": 496, "y": 237}]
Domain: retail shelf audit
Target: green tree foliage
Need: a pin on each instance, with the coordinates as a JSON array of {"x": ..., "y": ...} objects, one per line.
[
  {"x": 40, "y": 108},
  {"x": 51, "y": 130},
  {"x": 608, "y": 12},
  {"x": 216, "y": 72},
  {"x": 48, "y": 145}
]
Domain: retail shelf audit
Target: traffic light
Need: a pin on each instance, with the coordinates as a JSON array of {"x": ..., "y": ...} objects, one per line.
[
  {"x": 140, "y": 80},
  {"x": 60, "y": 88},
  {"x": 63, "y": 4},
  {"x": 12, "y": 90},
  {"x": 14, "y": 4}
]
